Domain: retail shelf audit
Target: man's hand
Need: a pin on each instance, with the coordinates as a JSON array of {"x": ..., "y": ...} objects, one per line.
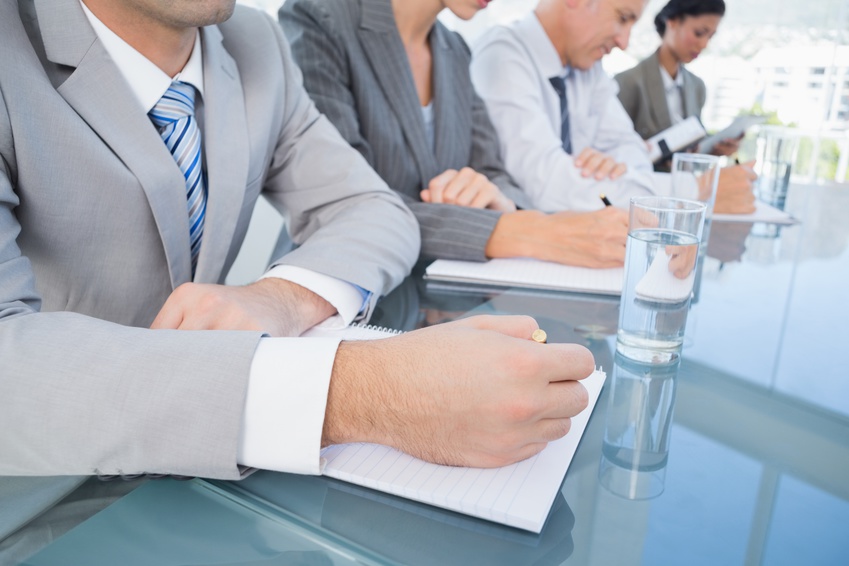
[
  {"x": 588, "y": 239},
  {"x": 476, "y": 392},
  {"x": 275, "y": 306},
  {"x": 593, "y": 163},
  {"x": 466, "y": 187},
  {"x": 734, "y": 193}
]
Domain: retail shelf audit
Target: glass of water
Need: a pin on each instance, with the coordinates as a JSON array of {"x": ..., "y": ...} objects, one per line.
[
  {"x": 660, "y": 268},
  {"x": 774, "y": 159}
]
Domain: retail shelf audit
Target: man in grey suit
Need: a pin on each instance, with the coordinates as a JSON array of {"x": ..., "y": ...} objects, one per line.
[{"x": 121, "y": 351}]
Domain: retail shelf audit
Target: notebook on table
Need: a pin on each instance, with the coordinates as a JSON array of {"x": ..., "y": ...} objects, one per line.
[
  {"x": 530, "y": 273},
  {"x": 519, "y": 495}
]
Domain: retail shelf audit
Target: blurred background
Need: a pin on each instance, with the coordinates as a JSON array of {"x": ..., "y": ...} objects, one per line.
[{"x": 788, "y": 59}]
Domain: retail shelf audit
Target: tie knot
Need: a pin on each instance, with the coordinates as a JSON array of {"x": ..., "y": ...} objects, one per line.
[
  {"x": 177, "y": 102},
  {"x": 559, "y": 84}
]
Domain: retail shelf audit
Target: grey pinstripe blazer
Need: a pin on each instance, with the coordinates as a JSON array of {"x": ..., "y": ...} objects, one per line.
[
  {"x": 356, "y": 70},
  {"x": 641, "y": 93}
]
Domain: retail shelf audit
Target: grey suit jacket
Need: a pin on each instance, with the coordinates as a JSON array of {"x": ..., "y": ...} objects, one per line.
[
  {"x": 93, "y": 239},
  {"x": 357, "y": 72},
  {"x": 641, "y": 93}
]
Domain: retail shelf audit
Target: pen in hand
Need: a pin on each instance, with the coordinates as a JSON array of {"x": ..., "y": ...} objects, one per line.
[{"x": 605, "y": 200}]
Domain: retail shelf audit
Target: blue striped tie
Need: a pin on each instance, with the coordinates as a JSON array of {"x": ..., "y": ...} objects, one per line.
[{"x": 173, "y": 115}]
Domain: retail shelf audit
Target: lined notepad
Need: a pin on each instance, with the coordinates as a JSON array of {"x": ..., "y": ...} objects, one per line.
[
  {"x": 519, "y": 495},
  {"x": 531, "y": 273}
]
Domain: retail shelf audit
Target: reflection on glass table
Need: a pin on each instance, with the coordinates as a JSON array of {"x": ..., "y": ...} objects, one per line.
[
  {"x": 641, "y": 399},
  {"x": 756, "y": 448}
]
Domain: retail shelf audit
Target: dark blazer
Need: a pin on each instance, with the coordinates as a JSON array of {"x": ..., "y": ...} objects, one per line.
[
  {"x": 357, "y": 72},
  {"x": 641, "y": 93}
]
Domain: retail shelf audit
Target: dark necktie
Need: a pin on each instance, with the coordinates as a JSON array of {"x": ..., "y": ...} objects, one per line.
[
  {"x": 174, "y": 116},
  {"x": 559, "y": 84}
]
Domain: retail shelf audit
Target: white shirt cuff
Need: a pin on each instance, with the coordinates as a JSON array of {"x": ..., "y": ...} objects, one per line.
[
  {"x": 346, "y": 297},
  {"x": 285, "y": 404}
]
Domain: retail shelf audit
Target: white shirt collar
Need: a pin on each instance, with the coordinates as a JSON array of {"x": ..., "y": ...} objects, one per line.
[
  {"x": 668, "y": 82},
  {"x": 147, "y": 81}
]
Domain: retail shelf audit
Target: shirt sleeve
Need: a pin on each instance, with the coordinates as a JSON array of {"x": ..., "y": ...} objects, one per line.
[
  {"x": 528, "y": 131},
  {"x": 348, "y": 299},
  {"x": 291, "y": 401}
]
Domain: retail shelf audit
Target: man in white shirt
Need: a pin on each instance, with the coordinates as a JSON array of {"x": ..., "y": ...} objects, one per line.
[
  {"x": 564, "y": 158},
  {"x": 123, "y": 354}
]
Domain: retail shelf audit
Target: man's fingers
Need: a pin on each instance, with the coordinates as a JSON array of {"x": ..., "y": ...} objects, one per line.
[
  {"x": 619, "y": 170},
  {"x": 167, "y": 318},
  {"x": 583, "y": 156},
  {"x": 517, "y": 326},
  {"x": 605, "y": 168}
]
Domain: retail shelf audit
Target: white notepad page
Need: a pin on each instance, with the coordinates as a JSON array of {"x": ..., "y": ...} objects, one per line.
[
  {"x": 524, "y": 272},
  {"x": 519, "y": 495}
]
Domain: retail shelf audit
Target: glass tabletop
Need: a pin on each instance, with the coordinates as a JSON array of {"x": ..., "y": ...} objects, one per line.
[
  {"x": 753, "y": 467},
  {"x": 736, "y": 454}
]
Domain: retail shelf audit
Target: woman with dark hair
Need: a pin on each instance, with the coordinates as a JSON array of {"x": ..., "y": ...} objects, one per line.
[{"x": 660, "y": 92}]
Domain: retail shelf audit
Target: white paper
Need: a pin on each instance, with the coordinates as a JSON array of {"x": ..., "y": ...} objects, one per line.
[
  {"x": 679, "y": 136},
  {"x": 763, "y": 213},
  {"x": 519, "y": 495},
  {"x": 524, "y": 272},
  {"x": 734, "y": 130}
]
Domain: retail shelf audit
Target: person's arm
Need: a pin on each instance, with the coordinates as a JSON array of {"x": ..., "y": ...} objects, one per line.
[
  {"x": 447, "y": 231},
  {"x": 486, "y": 157},
  {"x": 515, "y": 395},
  {"x": 81, "y": 396},
  {"x": 616, "y": 135},
  {"x": 530, "y": 142},
  {"x": 335, "y": 204}
]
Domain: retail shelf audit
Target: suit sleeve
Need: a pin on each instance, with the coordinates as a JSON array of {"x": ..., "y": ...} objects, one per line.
[
  {"x": 447, "y": 231},
  {"x": 336, "y": 205},
  {"x": 486, "y": 153},
  {"x": 82, "y": 396}
]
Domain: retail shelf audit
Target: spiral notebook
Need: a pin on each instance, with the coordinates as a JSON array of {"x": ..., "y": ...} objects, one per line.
[
  {"x": 519, "y": 495},
  {"x": 530, "y": 273}
]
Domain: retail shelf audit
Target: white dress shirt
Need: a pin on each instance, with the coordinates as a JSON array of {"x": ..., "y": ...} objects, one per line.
[
  {"x": 674, "y": 100},
  {"x": 291, "y": 402},
  {"x": 511, "y": 67}
]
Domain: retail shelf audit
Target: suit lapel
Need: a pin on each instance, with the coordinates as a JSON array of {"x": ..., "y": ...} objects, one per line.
[
  {"x": 226, "y": 147},
  {"x": 656, "y": 94},
  {"x": 98, "y": 93},
  {"x": 451, "y": 133},
  {"x": 380, "y": 40}
]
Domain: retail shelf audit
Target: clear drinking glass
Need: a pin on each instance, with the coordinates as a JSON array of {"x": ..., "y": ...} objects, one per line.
[
  {"x": 774, "y": 159},
  {"x": 660, "y": 268}
]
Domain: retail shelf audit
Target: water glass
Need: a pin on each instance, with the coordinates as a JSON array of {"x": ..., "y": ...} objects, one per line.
[
  {"x": 774, "y": 159},
  {"x": 660, "y": 268},
  {"x": 635, "y": 449},
  {"x": 695, "y": 176}
]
